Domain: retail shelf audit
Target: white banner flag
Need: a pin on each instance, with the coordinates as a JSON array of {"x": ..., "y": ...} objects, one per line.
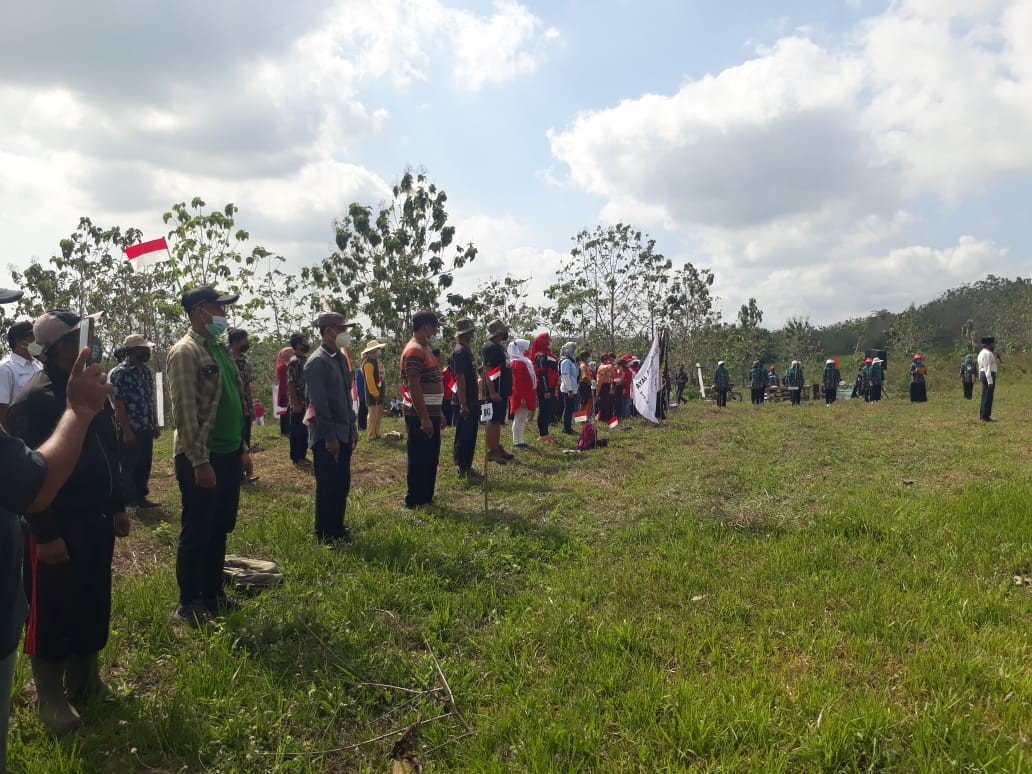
[
  {"x": 159, "y": 397},
  {"x": 646, "y": 384}
]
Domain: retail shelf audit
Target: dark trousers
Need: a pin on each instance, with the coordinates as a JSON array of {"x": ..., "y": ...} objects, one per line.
[
  {"x": 969, "y": 389},
  {"x": 680, "y": 393},
  {"x": 830, "y": 394},
  {"x": 448, "y": 412},
  {"x": 298, "y": 437},
  {"x": 875, "y": 393},
  {"x": 796, "y": 396},
  {"x": 721, "y": 396},
  {"x": 363, "y": 413},
  {"x": 605, "y": 403},
  {"x": 757, "y": 395},
  {"x": 570, "y": 401},
  {"x": 545, "y": 410},
  {"x": 208, "y": 516},
  {"x": 918, "y": 392},
  {"x": 985, "y": 411},
  {"x": 332, "y": 485},
  {"x": 248, "y": 423},
  {"x": 135, "y": 462},
  {"x": 284, "y": 423},
  {"x": 70, "y": 614},
  {"x": 424, "y": 453},
  {"x": 465, "y": 444}
]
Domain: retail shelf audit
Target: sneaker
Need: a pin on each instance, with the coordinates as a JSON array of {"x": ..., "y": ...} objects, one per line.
[
  {"x": 546, "y": 438},
  {"x": 223, "y": 605},
  {"x": 524, "y": 446},
  {"x": 195, "y": 616},
  {"x": 304, "y": 462},
  {"x": 497, "y": 455},
  {"x": 506, "y": 455}
]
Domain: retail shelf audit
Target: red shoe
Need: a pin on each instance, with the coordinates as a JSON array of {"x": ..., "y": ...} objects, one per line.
[{"x": 547, "y": 439}]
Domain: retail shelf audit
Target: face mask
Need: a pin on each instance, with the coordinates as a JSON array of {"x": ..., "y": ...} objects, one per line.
[
  {"x": 244, "y": 348},
  {"x": 35, "y": 349},
  {"x": 144, "y": 356},
  {"x": 434, "y": 340},
  {"x": 217, "y": 326},
  {"x": 343, "y": 339}
]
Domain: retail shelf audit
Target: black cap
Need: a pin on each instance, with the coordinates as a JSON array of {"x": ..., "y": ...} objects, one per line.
[
  {"x": 988, "y": 339},
  {"x": 194, "y": 296},
  {"x": 9, "y": 296},
  {"x": 334, "y": 320},
  {"x": 423, "y": 317}
]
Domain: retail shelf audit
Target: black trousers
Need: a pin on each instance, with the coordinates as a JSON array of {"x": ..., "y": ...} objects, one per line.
[
  {"x": 298, "y": 437},
  {"x": 248, "y": 423},
  {"x": 680, "y": 393},
  {"x": 363, "y": 413},
  {"x": 570, "y": 401},
  {"x": 985, "y": 411},
  {"x": 70, "y": 614},
  {"x": 135, "y": 462},
  {"x": 918, "y": 392},
  {"x": 332, "y": 485},
  {"x": 969, "y": 389},
  {"x": 545, "y": 410},
  {"x": 757, "y": 395},
  {"x": 208, "y": 516},
  {"x": 446, "y": 410},
  {"x": 875, "y": 393},
  {"x": 284, "y": 423},
  {"x": 830, "y": 394},
  {"x": 424, "y": 454},
  {"x": 721, "y": 396},
  {"x": 465, "y": 444},
  {"x": 796, "y": 396}
]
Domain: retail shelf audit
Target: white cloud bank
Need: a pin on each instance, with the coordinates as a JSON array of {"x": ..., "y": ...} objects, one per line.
[{"x": 796, "y": 174}]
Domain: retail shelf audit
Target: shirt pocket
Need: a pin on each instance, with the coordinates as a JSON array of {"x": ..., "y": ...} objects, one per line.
[{"x": 207, "y": 387}]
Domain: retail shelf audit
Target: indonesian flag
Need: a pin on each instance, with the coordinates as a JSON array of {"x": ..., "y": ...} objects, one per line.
[
  {"x": 144, "y": 253},
  {"x": 613, "y": 423},
  {"x": 406, "y": 397},
  {"x": 580, "y": 416},
  {"x": 494, "y": 373}
]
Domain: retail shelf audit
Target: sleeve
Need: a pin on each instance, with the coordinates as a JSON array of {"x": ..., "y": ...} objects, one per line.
[
  {"x": 369, "y": 377},
  {"x": 317, "y": 391},
  {"x": 24, "y": 473},
  {"x": 181, "y": 368},
  {"x": 412, "y": 363},
  {"x": 31, "y": 421},
  {"x": 118, "y": 382},
  {"x": 6, "y": 384}
]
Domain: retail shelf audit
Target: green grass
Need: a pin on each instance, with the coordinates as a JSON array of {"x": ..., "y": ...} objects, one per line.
[{"x": 773, "y": 589}]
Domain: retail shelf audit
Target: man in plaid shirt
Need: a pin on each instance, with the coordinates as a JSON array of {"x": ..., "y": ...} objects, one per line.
[{"x": 210, "y": 453}]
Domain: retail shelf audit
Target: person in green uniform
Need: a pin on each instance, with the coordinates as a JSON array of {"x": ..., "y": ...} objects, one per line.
[{"x": 210, "y": 453}]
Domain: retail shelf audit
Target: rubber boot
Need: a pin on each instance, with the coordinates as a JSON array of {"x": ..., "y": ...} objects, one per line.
[
  {"x": 51, "y": 703},
  {"x": 83, "y": 680}
]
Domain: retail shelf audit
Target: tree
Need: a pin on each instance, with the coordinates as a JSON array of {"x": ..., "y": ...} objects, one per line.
[
  {"x": 205, "y": 248},
  {"x": 504, "y": 299},
  {"x": 909, "y": 333},
  {"x": 280, "y": 305},
  {"x": 388, "y": 267},
  {"x": 798, "y": 340}
]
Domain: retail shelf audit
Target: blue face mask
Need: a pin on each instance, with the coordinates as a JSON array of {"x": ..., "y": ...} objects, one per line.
[{"x": 217, "y": 326}]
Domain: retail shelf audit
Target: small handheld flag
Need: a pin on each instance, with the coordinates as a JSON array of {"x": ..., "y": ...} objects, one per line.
[
  {"x": 580, "y": 416},
  {"x": 494, "y": 373},
  {"x": 613, "y": 423}
]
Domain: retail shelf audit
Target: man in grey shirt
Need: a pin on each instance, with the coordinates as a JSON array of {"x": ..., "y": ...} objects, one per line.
[{"x": 332, "y": 429}]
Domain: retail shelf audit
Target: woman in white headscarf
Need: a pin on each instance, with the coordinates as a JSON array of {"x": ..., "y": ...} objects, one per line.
[{"x": 523, "y": 400}]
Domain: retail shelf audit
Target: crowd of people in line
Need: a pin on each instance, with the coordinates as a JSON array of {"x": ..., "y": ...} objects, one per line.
[{"x": 76, "y": 447}]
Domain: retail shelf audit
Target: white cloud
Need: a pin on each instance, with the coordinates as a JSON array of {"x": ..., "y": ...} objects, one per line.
[{"x": 799, "y": 174}]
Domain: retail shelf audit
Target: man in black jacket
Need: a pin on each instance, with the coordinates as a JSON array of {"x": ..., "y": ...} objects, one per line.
[{"x": 70, "y": 545}]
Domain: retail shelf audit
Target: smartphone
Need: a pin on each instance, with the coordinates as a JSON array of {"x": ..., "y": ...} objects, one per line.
[{"x": 86, "y": 333}]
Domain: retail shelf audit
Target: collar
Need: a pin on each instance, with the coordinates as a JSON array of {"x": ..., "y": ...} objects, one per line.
[{"x": 25, "y": 362}]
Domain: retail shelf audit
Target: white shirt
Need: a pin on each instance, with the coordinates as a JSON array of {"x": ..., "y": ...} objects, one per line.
[
  {"x": 987, "y": 364},
  {"x": 15, "y": 373}
]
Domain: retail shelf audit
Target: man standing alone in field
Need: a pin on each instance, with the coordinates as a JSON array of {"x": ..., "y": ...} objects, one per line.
[
  {"x": 987, "y": 365},
  {"x": 210, "y": 453}
]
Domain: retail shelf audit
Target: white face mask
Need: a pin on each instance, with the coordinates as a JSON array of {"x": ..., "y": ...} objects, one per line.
[{"x": 343, "y": 339}]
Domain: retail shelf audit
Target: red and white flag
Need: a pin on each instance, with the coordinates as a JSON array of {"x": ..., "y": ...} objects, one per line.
[
  {"x": 147, "y": 253},
  {"x": 613, "y": 423},
  {"x": 494, "y": 373},
  {"x": 580, "y": 416}
]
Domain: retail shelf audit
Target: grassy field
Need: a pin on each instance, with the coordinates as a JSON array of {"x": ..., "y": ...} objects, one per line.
[{"x": 749, "y": 589}]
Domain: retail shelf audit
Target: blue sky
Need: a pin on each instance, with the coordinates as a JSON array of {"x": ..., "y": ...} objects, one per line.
[{"x": 828, "y": 158}]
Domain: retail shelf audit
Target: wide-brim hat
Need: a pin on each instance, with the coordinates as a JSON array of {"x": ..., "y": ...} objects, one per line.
[
  {"x": 497, "y": 328},
  {"x": 877, "y": 360},
  {"x": 10, "y": 296},
  {"x": 372, "y": 346},
  {"x": 829, "y": 362},
  {"x": 464, "y": 325},
  {"x": 136, "y": 340}
]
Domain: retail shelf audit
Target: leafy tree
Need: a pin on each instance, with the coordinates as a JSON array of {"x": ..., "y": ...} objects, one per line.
[
  {"x": 389, "y": 266},
  {"x": 504, "y": 299},
  {"x": 909, "y": 333},
  {"x": 798, "y": 340},
  {"x": 206, "y": 248}
]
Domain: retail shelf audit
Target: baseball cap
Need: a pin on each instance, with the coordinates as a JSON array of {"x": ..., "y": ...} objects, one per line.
[
  {"x": 49, "y": 328},
  {"x": 9, "y": 296},
  {"x": 192, "y": 297}
]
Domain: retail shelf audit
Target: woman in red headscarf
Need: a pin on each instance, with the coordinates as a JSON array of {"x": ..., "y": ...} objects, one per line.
[
  {"x": 281, "y": 394},
  {"x": 546, "y": 369}
]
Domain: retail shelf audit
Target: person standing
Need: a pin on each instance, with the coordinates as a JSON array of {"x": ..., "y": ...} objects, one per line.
[
  {"x": 282, "y": 399},
  {"x": 370, "y": 374},
  {"x": 464, "y": 400},
  {"x": 32, "y": 480},
  {"x": 918, "y": 372},
  {"x": 523, "y": 401},
  {"x": 863, "y": 379},
  {"x": 681, "y": 383},
  {"x": 968, "y": 376},
  {"x": 137, "y": 413},
  {"x": 211, "y": 457},
  {"x": 360, "y": 391},
  {"x": 794, "y": 382},
  {"x": 721, "y": 383},
  {"x": 987, "y": 366},
  {"x": 875, "y": 379},
  {"x": 239, "y": 344},
  {"x": 497, "y": 389},
  {"x": 568, "y": 375},
  {"x": 546, "y": 371},
  {"x": 585, "y": 379},
  {"x": 757, "y": 381},
  {"x": 70, "y": 545},
  {"x": 421, "y": 374},
  {"x": 17, "y": 368},
  {"x": 332, "y": 428},
  {"x": 830, "y": 378},
  {"x": 297, "y": 402},
  {"x": 604, "y": 388}
]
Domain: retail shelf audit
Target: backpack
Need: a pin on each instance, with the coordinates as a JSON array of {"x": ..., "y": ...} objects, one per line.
[{"x": 587, "y": 437}]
